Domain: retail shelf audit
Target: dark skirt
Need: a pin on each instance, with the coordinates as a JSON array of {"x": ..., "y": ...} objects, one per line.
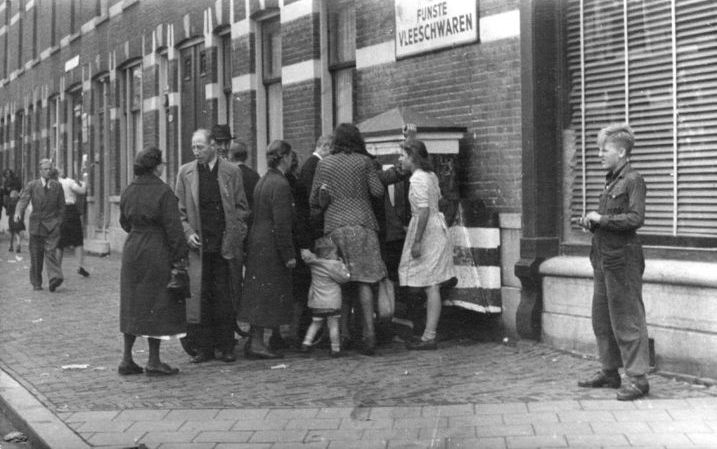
[{"x": 71, "y": 228}]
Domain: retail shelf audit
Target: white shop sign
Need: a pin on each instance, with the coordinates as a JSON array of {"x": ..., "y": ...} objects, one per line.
[{"x": 426, "y": 25}]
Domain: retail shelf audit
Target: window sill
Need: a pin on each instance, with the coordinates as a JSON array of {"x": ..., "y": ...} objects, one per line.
[
  {"x": 651, "y": 252},
  {"x": 657, "y": 271}
]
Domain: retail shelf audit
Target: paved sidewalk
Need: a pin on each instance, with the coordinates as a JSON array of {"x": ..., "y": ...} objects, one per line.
[{"x": 62, "y": 349}]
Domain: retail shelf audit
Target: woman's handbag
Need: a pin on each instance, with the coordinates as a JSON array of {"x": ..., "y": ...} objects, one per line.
[
  {"x": 386, "y": 302},
  {"x": 179, "y": 280}
]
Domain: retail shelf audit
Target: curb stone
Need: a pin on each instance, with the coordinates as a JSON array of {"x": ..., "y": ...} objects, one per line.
[{"x": 43, "y": 428}]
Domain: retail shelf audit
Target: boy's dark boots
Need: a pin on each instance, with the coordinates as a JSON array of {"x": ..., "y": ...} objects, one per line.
[{"x": 602, "y": 379}]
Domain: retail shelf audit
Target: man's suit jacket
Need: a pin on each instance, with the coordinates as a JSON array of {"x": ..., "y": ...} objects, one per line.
[
  {"x": 236, "y": 208},
  {"x": 48, "y": 206},
  {"x": 236, "y": 211}
]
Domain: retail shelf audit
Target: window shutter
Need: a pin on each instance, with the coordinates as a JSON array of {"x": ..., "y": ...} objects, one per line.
[
  {"x": 696, "y": 27},
  {"x": 671, "y": 104}
]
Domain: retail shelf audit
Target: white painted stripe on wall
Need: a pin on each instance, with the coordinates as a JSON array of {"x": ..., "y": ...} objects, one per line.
[
  {"x": 14, "y": 19},
  {"x": 211, "y": 91},
  {"x": 477, "y": 277},
  {"x": 3, "y": 5},
  {"x": 29, "y": 5},
  {"x": 241, "y": 28},
  {"x": 383, "y": 53},
  {"x": 500, "y": 26},
  {"x": 43, "y": 133},
  {"x": 477, "y": 237},
  {"x": 472, "y": 306},
  {"x": 44, "y": 54},
  {"x": 173, "y": 99},
  {"x": 244, "y": 83},
  {"x": 149, "y": 60},
  {"x": 65, "y": 41},
  {"x": 89, "y": 26},
  {"x": 115, "y": 9},
  {"x": 296, "y": 10},
  {"x": 151, "y": 104},
  {"x": 113, "y": 113},
  {"x": 301, "y": 71},
  {"x": 3, "y": 30}
]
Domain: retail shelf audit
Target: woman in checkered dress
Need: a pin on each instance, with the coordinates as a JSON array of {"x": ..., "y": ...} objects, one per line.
[{"x": 343, "y": 186}]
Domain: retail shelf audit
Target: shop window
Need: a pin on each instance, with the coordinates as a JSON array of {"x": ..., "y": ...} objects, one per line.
[
  {"x": 271, "y": 77},
  {"x": 654, "y": 65},
  {"x": 342, "y": 58}
]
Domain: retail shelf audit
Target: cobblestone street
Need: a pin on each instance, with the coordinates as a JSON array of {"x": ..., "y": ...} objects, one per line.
[{"x": 63, "y": 348}]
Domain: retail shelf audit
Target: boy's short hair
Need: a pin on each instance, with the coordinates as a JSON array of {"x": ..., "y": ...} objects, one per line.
[
  {"x": 324, "y": 246},
  {"x": 619, "y": 133}
]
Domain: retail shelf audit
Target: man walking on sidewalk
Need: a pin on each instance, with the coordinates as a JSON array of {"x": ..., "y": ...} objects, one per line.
[
  {"x": 618, "y": 313},
  {"x": 213, "y": 209},
  {"x": 48, "y": 208}
]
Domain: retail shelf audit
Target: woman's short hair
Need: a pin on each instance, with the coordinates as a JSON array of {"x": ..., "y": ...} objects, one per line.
[
  {"x": 147, "y": 160},
  {"x": 347, "y": 139},
  {"x": 417, "y": 152},
  {"x": 277, "y": 150},
  {"x": 619, "y": 133}
]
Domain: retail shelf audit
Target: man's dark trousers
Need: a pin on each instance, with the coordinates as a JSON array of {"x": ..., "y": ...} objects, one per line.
[
  {"x": 216, "y": 328},
  {"x": 43, "y": 249},
  {"x": 618, "y": 313}
]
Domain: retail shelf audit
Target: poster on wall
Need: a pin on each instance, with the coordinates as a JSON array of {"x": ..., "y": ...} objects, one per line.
[{"x": 427, "y": 25}]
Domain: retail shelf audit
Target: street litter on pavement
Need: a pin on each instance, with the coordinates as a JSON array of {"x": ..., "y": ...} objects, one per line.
[
  {"x": 15, "y": 437},
  {"x": 76, "y": 366}
]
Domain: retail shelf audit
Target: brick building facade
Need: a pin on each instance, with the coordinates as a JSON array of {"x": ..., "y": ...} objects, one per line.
[{"x": 92, "y": 81}]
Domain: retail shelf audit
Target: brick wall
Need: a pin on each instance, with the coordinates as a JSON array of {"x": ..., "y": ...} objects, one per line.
[
  {"x": 302, "y": 116},
  {"x": 476, "y": 85}
]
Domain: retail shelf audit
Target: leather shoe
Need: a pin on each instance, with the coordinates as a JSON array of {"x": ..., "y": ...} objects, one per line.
[
  {"x": 129, "y": 369},
  {"x": 422, "y": 345},
  {"x": 254, "y": 354},
  {"x": 602, "y": 379},
  {"x": 161, "y": 370},
  {"x": 201, "y": 357},
  {"x": 227, "y": 356},
  {"x": 336, "y": 354},
  {"x": 54, "y": 283},
  {"x": 188, "y": 346},
  {"x": 82, "y": 272},
  {"x": 634, "y": 388}
]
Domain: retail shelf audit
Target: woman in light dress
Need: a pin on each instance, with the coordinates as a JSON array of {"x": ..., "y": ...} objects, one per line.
[{"x": 427, "y": 258}]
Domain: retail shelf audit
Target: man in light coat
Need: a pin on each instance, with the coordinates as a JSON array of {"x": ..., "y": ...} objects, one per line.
[{"x": 213, "y": 209}]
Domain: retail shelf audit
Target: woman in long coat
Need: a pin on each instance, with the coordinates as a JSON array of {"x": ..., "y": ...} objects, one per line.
[
  {"x": 149, "y": 213},
  {"x": 267, "y": 299}
]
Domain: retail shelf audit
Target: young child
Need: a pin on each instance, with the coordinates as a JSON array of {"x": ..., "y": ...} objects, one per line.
[
  {"x": 327, "y": 272},
  {"x": 15, "y": 226}
]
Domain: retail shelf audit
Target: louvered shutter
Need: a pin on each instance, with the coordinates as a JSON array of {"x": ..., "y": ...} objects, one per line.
[
  {"x": 696, "y": 29},
  {"x": 676, "y": 153}
]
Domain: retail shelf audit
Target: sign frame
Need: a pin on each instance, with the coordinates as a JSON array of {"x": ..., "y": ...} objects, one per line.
[{"x": 442, "y": 13}]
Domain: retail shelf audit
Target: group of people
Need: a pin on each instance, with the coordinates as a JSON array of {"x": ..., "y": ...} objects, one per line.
[
  {"x": 55, "y": 222},
  {"x": 298, "y": 245}
]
